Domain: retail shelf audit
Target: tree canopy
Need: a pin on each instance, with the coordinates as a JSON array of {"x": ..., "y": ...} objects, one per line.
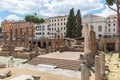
[
  {"x": 73, "y": 25},
  {"x": 78, "y": 24},
  {"x": 31, "y": 18},
  {"x": 110, "y": 2}
]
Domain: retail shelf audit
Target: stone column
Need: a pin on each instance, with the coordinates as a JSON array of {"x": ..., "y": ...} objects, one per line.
[
  {"x": 11, "y": 36},
  {"x": 93, "y": 43},
  {"x": 89, "y": 46},
  {"x": 27, "y": 36},
  {"x": 4, "y": 39},
  {"x": 97, "y": 68},
  {"x": 85, "y": 74},
  {"x": 102, "y": 62},
  {"x": 51, "y": 47},
  {"x": 16, "y": 34},
  {"x": 47, "y": 47},
  {"x": 55, "y": 42},
  {"x": 21, "y": 37},
  {"x": 59, "y": 42},
  {"x": 36, "y": 49}
]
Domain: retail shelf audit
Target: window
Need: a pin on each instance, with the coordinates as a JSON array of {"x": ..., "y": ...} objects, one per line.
[
  {"x": 113, "y": 24},
  {"x": 109, "y": 29},
  {"x": 58, "y": 19},
  {"x": 58, "y": 24},
  {"x": 99, "y": 35},
  {"x": 64, "y": 28},
  {"x": 100, "y": 28},
  {"x": 48, "y": 33},
  {"x": 109, "y": 25},
  {"x": 61, "y": 28},
  {"x": 114, "y": 29},
  {"x": 61, "y": 23},
  {"x": 61, "y": 19},
  {"x": 64, "y": 23}
]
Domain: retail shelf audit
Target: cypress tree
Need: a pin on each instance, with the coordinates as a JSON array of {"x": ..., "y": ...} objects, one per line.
[
  {"x": 78, "y": 31},
  {"x": 70, "y": 24}
]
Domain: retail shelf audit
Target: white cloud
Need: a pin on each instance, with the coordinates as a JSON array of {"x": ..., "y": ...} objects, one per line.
[
  {"x": 49, "y": 7},
  {"x": 13, "y": 17},
  {"x": 107, "y": 11}
]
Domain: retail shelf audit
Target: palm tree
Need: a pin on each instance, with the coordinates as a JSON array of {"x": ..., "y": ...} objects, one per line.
[{"x": 117, "y": 2}]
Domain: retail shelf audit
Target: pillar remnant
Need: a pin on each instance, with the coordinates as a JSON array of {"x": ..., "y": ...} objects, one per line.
[
  {"x": 89, "y": 46},
  {"x": 85, "y": 74},
  {"x": 97, "y": 68}
]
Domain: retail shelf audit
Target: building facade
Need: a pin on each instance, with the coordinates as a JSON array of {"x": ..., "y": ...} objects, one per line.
[
  {"x": 58, "y": 25},
  {"x": 43, "y": 30},
  {"x": 112, "y": 25},
  {"x": 96, "y": 23}
]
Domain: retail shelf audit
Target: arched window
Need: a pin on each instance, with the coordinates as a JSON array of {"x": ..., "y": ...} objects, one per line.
[{"x": 100, "y": 28}]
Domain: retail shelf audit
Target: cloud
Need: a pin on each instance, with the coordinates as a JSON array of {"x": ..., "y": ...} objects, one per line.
[
  {"x": 13, "y": 17},
  {"x": 49, "y": 7},
  {"x": 107, "y": 11}
]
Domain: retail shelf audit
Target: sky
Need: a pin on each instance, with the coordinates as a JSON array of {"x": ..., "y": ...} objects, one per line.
[{"x": 17, "y": 9}]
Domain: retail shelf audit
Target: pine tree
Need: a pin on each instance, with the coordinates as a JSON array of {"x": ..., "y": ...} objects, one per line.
[
  {"x": 78, "y": 31},
  {"x": 70, "y": 24}
]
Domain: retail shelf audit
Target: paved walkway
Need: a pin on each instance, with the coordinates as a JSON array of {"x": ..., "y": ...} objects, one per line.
[{"x": 64, "y": 72}]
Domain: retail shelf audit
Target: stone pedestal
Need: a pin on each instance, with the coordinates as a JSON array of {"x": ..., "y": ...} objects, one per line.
[
  {"x": 11, "y": 37},
  {"x": 21, "y": 37},
  {"x": 16, "y": 35},
  {"x": 85, "y": 74},
  {"x": 102, "y": 62},
  {"x": 36, "y": 50},
  {"x": 97, "y": 68},
  {"x": 4, "y": 39},
  {"x": 47, "y": 47}
]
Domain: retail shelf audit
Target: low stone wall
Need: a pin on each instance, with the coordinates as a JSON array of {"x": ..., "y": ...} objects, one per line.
[
  {"x": 18, "y": 55},
  {"x": 2, "y": 65}
]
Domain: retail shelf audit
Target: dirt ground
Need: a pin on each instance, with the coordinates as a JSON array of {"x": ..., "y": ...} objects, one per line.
[
  {"x": 114, "y": 66},
  {"x": 44, "y": 76}
]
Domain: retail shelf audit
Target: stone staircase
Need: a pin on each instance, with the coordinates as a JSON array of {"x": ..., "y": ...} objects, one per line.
[{"x": 60, "y": 63}]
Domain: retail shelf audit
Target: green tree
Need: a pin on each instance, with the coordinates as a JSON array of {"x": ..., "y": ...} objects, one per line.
[
  {"x": 78, "y": 24},
  {"x": 71, "y": 24},
  {"x": 31, "y": 18},
  {"x": 0, "y": 29},
  {"x": 117, "y": 2}
]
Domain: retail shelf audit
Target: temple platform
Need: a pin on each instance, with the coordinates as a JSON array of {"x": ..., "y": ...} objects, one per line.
[{"x": 64, "y": 60}]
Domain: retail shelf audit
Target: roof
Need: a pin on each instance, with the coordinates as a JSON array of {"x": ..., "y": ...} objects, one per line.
[
  {"x": 92, "y": 15},
  {"x": 58, "y": 16}
]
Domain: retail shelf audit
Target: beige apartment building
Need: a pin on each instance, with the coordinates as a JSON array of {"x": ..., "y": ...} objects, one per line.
[{"x": 58, "y": 25}]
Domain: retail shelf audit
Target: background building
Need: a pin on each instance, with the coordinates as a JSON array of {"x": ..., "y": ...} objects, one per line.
[
  {"x": 96, "y": 23},
  {"x": 58, "y": 25},
  {"x": 43, "y": 30},
  {"x": 112, "y": 25}
]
